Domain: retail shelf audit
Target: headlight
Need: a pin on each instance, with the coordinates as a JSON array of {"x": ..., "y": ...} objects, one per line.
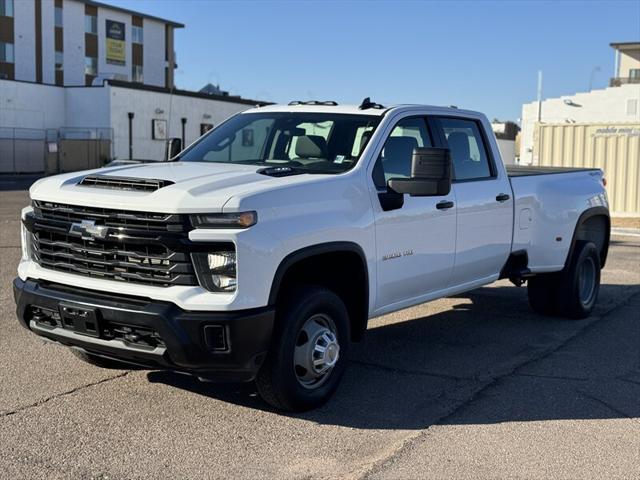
[
  {"x": 216, "y": 271},
  {"x": 26, "y": 242},
  {"x": 224, "y": 220}
]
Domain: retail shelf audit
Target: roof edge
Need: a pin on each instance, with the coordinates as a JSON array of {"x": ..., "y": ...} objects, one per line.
[
  {"x": 186, "y": 93},
  {"x": 624, "y": 44},
  {"x": 132, "y": 12}
]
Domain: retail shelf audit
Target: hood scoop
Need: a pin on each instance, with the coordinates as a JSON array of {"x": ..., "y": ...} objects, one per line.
[{"x": 124, "y": 183}]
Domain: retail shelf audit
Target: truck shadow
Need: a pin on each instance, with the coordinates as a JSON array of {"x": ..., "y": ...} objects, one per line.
[{"x": 482, "y": 357}]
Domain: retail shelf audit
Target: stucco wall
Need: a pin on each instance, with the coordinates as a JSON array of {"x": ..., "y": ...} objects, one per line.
[
  {"x": 153, "y": 52},
  {"x": 24, "y": 40},
  {"x": 48, "y": 43},
  {"x": 628, "y": 59},
  {"x": 73, "y": 42},
  {"x": 87, "y": 107},
  {"x": 30, "y": 105},
  {"x": 144, "y": 105}
]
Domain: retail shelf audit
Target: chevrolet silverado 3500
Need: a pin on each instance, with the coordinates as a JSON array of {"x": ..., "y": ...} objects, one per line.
[{"x": 260, "y": 251}]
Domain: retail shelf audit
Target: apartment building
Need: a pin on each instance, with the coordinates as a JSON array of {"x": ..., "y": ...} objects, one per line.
[
  {"x": 74, "y": 42},
  {"x": 627, "y": 63}
]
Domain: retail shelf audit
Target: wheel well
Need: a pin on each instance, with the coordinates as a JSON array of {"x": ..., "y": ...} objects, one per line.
[
  {"x": 594, "y": 227},
  {"x": 344, "y": 272}
]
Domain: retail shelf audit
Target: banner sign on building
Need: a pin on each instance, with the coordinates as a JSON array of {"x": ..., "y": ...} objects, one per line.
[{"x": 116, "y": 53}]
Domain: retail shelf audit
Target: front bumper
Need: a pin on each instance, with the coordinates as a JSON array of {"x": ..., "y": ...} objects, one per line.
[{"x": 179, "y": 339}]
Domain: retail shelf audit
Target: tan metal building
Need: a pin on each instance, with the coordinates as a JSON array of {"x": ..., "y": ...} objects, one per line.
[{"x": 613, "y": 147}]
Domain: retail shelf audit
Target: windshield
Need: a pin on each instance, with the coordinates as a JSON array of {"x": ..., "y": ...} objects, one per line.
[{"x": 312, "y": 142}]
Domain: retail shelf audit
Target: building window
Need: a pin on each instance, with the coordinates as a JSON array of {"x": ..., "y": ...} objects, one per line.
[
  {"x": 6, "y": 52},
  {"x": 91, "y": 66},
  {"x": 136, "y": 34},
  {"x": 59, "y": 61},
  {"x": 58, "y": 16},
  {"x": 634, "y": 73},
  {"x": 91, "y": 24},
  {"x": 6, "y": 8},
  {"x": 136, "y": 74}
]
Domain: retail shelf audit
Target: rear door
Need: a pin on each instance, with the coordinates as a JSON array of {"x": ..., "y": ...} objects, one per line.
[
  {"x": 415, "y": 243},
  {"x": 484, "y": 202}
]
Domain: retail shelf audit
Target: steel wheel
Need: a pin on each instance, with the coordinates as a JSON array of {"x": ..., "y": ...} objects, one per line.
[
  {"x": 316, "y": 351},
  {"x": 587, "y": 280}
]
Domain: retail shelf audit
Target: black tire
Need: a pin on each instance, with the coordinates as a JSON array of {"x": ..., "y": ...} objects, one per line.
[
  {"x": 278, "y": 381},
  {"x": 542, "y": 292},
  {"x": 580, "y": 282},
  {"x": 101, "y": 362}
]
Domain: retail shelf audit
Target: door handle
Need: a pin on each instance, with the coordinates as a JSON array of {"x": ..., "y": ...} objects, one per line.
[
  {"x": 502, "y": 197},
  {"x": 444, "y": 205}
]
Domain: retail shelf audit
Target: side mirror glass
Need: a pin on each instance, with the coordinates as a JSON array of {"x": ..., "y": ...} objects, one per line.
[
  {"x": 430, "y": 174},
  {"x": 174, "y": 147}
]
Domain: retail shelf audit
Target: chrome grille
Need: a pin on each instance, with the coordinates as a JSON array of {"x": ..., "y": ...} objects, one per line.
[{"x": 138, "y": 247}]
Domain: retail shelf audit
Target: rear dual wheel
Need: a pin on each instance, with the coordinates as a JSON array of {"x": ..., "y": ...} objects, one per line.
[{"x": 573, "y": 292}]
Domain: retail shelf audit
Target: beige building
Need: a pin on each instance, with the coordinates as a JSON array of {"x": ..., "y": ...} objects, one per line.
[
  {"x": 600, "y": 128},
  {"x": 627, "y": 64}
]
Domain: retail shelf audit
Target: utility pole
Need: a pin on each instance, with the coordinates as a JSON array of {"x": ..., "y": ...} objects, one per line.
[
  {"x": 593, "y": 72},
  {"x": 539, "y": 96}
]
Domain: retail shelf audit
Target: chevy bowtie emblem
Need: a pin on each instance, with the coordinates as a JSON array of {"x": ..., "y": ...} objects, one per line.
[{"x": 88, "y": 230}]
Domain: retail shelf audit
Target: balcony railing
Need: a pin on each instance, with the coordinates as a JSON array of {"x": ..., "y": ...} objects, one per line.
[{"x": 616, "y": 82}]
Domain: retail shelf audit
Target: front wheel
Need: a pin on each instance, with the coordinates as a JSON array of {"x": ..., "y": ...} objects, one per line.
[{"x": 307, "y": 357}]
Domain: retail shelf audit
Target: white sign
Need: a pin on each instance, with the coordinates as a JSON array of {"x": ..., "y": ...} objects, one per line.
[{"x": 159, "y": 129}]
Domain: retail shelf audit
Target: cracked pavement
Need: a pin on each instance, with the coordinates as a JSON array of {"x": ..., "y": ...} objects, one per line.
[{"x": 473, "y": 386}]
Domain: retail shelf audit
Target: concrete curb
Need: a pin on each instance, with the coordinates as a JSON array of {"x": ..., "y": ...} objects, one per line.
[{"x": 626, "y": 232}]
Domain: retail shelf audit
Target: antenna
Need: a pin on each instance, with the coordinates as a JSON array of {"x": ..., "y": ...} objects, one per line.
[{"x": 367, "y": 103}]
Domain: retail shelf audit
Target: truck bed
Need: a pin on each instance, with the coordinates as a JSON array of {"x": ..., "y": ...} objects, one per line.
[{"x": 527, "y": 171}]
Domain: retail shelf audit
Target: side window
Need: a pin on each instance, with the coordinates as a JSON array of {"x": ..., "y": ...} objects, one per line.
[
  {"x": 395, "y": 159},
  {"x": 468, "y": 151}
]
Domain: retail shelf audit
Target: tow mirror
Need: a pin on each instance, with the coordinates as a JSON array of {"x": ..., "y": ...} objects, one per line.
[
  {"x": 430, "y": 174},
  {"x": 174, "y": 147}
]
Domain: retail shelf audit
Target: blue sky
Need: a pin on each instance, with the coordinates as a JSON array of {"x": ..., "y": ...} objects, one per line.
[{"x": 482, "y": 55}]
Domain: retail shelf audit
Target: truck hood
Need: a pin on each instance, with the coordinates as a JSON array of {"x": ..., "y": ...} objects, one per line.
[{"x": 197, "y": 186}]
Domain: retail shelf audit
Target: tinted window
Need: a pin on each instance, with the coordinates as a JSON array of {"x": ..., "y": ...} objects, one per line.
[
  {"x": 6, "y": 52},
  {"x": 6, "y": 8},
  {"x": 467, "y": 148},
  {"x": 395, "y": 159},
  {"x": 91, "y": 24},
  {"x": 57, "y": 11},
  {"x": 137, "y": 34}
]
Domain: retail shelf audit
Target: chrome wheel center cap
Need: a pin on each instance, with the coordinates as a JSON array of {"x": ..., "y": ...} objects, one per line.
[{"x": 326, "y": 351}]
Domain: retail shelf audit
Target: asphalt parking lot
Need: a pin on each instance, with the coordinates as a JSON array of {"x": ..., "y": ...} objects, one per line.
[{"x": 475, "y": 386}]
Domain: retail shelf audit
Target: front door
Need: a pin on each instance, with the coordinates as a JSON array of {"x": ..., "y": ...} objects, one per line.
[{"x": 415, "y": 243}]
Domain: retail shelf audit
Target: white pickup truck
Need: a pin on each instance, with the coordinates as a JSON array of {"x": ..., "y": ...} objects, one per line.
[{"x": 261, "y": 251}]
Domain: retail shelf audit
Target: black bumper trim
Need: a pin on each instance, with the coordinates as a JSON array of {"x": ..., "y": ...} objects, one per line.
[{"x": 182, "y": 331}]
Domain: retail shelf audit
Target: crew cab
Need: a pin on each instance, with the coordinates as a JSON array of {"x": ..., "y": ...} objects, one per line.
[{"x": 260, "y": 252}]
